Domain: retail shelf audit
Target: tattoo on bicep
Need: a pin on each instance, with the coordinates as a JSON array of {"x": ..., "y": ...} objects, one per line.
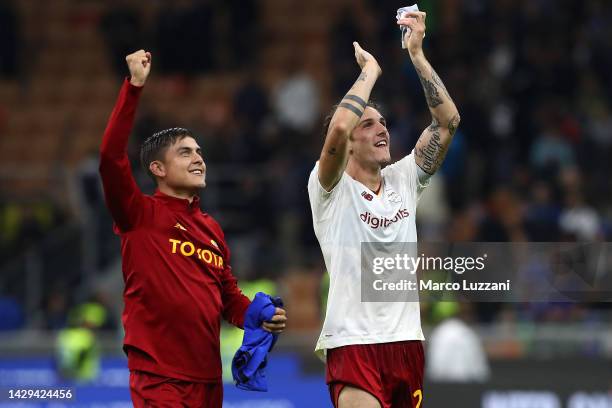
[
  {"x": 434, "y": 124},
  {"x": 438, "y": 81},
  {"x": 453, "y": 124},
  {"x": 432, "y": 96},
  {"x": 431, "y": 149},
  {"x": 331, "y": 151}
]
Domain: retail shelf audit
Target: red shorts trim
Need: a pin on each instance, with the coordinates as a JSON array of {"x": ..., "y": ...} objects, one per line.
[
  {"x": 391, "y": 372},
  {"x": 152, "y": 391}
]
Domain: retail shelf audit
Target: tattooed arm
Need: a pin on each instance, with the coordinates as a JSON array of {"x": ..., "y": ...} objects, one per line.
[
  {"x": 334, "y": 155},
  {"x": 435, "y": 139}
]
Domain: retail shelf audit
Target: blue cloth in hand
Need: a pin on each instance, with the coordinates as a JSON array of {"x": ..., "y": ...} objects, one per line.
[{"x": 251, "y": 358}]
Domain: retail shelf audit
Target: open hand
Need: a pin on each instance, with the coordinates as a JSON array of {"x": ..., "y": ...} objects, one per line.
[
  {"x": 365, "y": 59},
  {"x": 276, "y": 325}
]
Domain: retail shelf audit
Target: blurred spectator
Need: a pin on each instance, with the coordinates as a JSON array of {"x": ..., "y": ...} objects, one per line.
[
  {"x": 296, "y": 100},
  {"x": 251, "y": 110},
  {"x": 579, "y": 221},
  {"x": 78, "y": 354},
  {"x": 454, "y": 350},
  {"x": 463, "y": 226},
  {"x": 251, "y": 105},
  {"x": 503, "y": 220},
  {"x": 542, "y": 214},
  {"x": 550, "y": 151}
]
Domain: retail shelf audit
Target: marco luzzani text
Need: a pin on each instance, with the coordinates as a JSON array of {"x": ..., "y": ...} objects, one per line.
[{"x": 411, "y": 264}]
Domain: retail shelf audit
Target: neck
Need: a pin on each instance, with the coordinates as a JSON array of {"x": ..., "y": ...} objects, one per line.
[
  {"x": 177, "y": 193},
  {"x": 369, "y": 176}
]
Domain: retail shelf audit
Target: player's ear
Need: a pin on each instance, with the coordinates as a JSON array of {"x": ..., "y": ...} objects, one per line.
[{"x": 157, "y": 168}]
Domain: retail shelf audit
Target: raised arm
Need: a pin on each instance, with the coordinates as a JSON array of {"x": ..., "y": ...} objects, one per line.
[
  {"x": 334, "y": 155},
  {"x": 123, "y": 197},
  {"x": 433, "y": 143}
]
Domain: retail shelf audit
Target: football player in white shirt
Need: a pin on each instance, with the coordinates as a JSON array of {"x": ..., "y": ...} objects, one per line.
[{"x": 373, "y": 349}]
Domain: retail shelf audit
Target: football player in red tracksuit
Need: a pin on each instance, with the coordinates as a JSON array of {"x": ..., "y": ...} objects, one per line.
[{"x": 176, "y": 263}]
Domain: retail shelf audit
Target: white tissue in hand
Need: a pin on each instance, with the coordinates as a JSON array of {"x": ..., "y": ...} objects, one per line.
[{"x": 400, "y": 14}]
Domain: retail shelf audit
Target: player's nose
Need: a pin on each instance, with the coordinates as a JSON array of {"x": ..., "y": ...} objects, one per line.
[
  {"x": 383, "y": 132},
  {"x": 198, "y": 159}
]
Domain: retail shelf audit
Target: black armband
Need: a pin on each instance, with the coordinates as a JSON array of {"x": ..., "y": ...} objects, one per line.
[
  {"x": 356, "y": 99},
  {"x": 351, "y": 108}
]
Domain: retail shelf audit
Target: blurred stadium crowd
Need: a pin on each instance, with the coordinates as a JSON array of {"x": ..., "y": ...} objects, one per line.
[{"x": 530, "y": 162}]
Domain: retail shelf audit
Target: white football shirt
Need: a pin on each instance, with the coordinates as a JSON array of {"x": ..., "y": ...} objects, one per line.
[{"x": 344, "y": 218}]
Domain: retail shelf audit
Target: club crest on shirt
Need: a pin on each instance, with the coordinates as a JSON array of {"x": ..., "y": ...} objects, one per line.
[
  {"x": 393, "y": 197},
  {"x": 367, "y": 195}
]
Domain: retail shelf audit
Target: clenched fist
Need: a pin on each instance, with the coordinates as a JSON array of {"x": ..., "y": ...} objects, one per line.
[{"x": 139, "y": 64}]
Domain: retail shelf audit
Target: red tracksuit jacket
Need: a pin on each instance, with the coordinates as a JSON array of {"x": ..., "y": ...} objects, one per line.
[{"x": 176, "y": 267}]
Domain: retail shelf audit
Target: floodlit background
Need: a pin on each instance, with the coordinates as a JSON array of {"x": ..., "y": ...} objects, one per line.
[{"x": 531, "y": 162}]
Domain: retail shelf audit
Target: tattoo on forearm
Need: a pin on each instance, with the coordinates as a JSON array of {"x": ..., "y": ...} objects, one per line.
[
  {"x": 356, "y": 99},
  {"x": 453, "y": 124},
  {"x": 352, "y": 108},
  {"x": 438, "y": 81},
  {"x": 432, "y": 96},
  {"x": 362, "y": 76},
  {"x": 431, "y": 150}
]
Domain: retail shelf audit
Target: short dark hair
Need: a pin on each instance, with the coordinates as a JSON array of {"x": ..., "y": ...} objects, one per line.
[
  {"x": 328, "y": 118},
  {"x": 154, "y": 147}
]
